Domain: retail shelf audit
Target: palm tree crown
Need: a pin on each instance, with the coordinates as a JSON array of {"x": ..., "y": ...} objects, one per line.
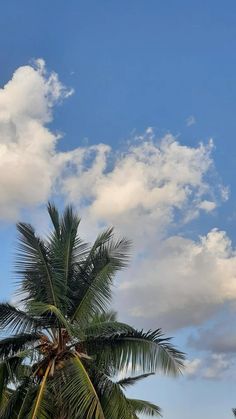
[{"x": 61, "y": 349}]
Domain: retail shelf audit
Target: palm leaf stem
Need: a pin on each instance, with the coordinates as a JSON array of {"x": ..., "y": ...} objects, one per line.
[{"x": 40, "y": 393}]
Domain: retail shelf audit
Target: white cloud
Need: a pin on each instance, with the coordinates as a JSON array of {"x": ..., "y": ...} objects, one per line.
[
  {"x": 181, "y": 282},
  {"x": 27, "y": 147},
  {"x": 216, "y": 366},
  {"x": 211, "y": 367},
  {"x": 216, "y": 343},
  {"x": 151, "y": 180},
  {"x": 219, "y": 337},
  {"x": 208, "y": 206},
  {"x": 149, "y": 185},
  {"x": 191, "y": 120},
  {"x": 192, "y": 367}
]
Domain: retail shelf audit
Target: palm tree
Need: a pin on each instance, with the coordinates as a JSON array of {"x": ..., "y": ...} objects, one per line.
[
  {"x": 62, "y": 351},
  {"x": 234, "y": 412}
]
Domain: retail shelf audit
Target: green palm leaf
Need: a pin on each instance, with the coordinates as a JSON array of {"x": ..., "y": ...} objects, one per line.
[
  {"x": 146, "y": 352},
  {"x": 113, "y": 400},
  {"x": 71, "y": 243},
  {"x": 106, "y": 329},
  {"x": 66, "y": 250},
  {"x": 4, "y": 377},
  {"x": 41, "y": 390},
  {"x": 41, "y": 309},
  {"x": 105, "y": 316},
  {"x": 32, "y": 264},
  {"x": 78, "y": 392},
  {"x": 13, "y": 344},
  {"x": 55, "y": 218},
  {"x": 96, "y": 274},
  {"x": 9, "y": 369},
  {"x": 17, "y": 396},
  {"x": 18, "y": 321},
  {"x": 145, "y": 408},
  {"x": 129, "y": 381}
]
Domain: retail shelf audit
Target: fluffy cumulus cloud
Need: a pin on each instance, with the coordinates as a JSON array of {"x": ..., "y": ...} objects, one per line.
[
  {"x": 151, "y": 184},
  {"x": 27, "y": 147},
  {"x": 183, "y": 282},
  {"x": 151, "y": 179}
]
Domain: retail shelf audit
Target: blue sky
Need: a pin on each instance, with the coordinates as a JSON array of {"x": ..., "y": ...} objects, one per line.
[{"x": 152, "y": 80}]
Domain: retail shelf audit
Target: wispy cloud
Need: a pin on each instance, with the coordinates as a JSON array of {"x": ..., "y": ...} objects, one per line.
[
  {"x": 219, "y": 338},
  {"x": 211, "y": 367},
  {"x": 191, "y": 120}
]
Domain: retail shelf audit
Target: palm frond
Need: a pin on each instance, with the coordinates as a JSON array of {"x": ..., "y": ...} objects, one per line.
[
  {"x": 32, "y": 395},
  {"x": 140, "y": 351},
  {"x": 32, "y": 264},
  {"x": 3, "y": 379},
  {"x": 38, "y": 400},
  {"x": 13, "y": 406},
  {"x": 106, "y": 316},
  {"x": 234, "y": 412},
  {"x": 6, "y": 395},
  {"x": 69, "y": 227},
  {"x": 106, "y": 329},
  {"x": 55, "y": 218},
  {"x": 78, "y": 392},
  {"x": 13, "y": 344},
  {"x": 145, "y": 408},
  {"x": 113, "y": 400},
  {"x": 96, "y": 274},
  {"x": 9, "y": 373},
  {"x": 18, "y": 321},
  {"x": 40, "y": 309},
  {"x": 129, "y": 381},
  {"x": 66, "y": 249}
]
